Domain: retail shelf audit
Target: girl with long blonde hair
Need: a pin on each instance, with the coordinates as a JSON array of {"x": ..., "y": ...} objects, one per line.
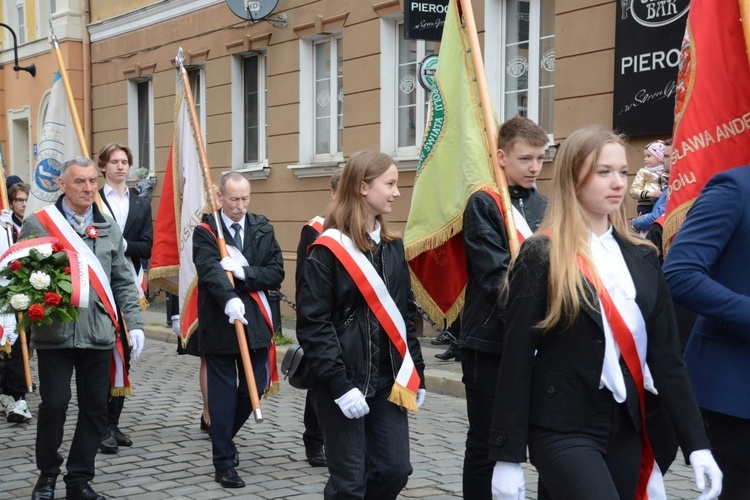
[{"x": 590, "y": 327}]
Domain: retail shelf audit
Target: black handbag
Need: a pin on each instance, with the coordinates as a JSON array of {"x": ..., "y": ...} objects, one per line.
[{"x": 294, "y": 366}]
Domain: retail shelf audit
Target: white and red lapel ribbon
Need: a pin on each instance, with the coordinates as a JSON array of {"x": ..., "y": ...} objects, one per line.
[
  {"x": 372, "y": 287},
  {"x": 522, "y": 227},
  {"x": 650, "y": 481},
  {"x": 79, "y": 277}
]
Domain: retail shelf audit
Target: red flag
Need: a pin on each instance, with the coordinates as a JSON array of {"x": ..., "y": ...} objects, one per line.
[
  {"x": 712, "y": 112},
  {"x": 165, "y": 254}
]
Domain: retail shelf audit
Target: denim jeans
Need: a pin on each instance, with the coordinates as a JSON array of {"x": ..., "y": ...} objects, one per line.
[
  {"x": 480, "y": 371},
  {"x": 368, "y": 457}
]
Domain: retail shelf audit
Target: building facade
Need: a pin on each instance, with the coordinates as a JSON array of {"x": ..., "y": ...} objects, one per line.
[{"x": 285, "y": 101}]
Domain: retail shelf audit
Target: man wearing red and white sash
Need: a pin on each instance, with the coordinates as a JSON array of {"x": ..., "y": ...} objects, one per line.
[
  {"x": 86, "y": 345},
  {"x": 257, "y": 265},
  {"x": 521, "y": 145}
]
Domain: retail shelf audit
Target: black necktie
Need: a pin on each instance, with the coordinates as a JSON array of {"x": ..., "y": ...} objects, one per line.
[{"x": 237, "y": 236}]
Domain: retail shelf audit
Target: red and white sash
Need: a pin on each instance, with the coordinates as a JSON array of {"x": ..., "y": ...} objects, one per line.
[
  {"x": 260, "y": 298},
  {"x": 650, "y": 481},
  {"x": 57, "y": 226},
  {"x": 316, "y": 223},
  {"x": 522, "y": 227},
  {"x": 372, "y": 287}
]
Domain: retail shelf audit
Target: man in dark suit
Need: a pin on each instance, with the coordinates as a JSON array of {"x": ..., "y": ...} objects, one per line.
[
  {"x": 256, "y": 263},
  {"x": 133, "y": 215},
  {"x": 707, "y": 272}
]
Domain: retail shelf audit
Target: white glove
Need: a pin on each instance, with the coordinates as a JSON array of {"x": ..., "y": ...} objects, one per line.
[
  {"x": 235, "y": 309},
  {"x": 353, "y": 404},
  {"x": 176, "y": 324},
  {"x": 6, "y": 217},
  {"x": 421, "y": 394},
  {"x": 137, "y": 342},
  {"x": 9, "y": 335},
  {"x": 230, "y": 265},
  {"x": 508, "y": 482},
  {"x": 704, "y": 466}
]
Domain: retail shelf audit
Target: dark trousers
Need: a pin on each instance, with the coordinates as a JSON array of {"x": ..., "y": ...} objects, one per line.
[
  {"x": 661, "y": 433},
  {"x": 14, "y": 380},
  {"x": 92, "y": 385},
  {"x": 480, "y": 371},
  {"x": 368, "y": 457},
  {"x": 600, "y": 462},
  {"x": 730, "y": 440},
  {"x": 229, "y": 403},
  {"x": 313, "y": 435}
]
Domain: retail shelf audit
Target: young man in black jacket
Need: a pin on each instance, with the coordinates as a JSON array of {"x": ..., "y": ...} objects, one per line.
[{"x": 521, "y": 146}]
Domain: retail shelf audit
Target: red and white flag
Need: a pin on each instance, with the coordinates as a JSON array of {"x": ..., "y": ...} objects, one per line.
[{"x": 181, "y": 208}]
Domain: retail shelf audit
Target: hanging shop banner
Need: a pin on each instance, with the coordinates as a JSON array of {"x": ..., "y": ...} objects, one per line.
[
  {"x": 648, "y": 36},
  {"x": 424, "y": 19}
]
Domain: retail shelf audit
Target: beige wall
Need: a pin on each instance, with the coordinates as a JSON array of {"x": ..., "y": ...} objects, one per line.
[{"x": 104, "y": 9}]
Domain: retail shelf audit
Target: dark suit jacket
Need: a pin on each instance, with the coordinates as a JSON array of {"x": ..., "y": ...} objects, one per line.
[
  {"x": 552, "y": 380},
  {"x": 264, "y": 272},
  {"x": 139, "y": 229},
  {"x": 708, "y": 271}
]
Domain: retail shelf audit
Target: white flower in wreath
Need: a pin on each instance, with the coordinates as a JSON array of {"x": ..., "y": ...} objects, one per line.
[
  {"x": 39, "y": 280},
  {"x": 45, "y": 250},
  {"x": 20, "y": 301}
]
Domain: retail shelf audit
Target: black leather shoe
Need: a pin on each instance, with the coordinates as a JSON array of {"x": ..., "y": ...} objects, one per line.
[
  {"x": 45, "y": 487},
  {"x": 122, "y": 439},
  {"x": 442, "y": 339},
  {"x": 109, "y": 443},
  {"x": 81, "y": 491},
  {"x": 316, "y": 456},
  {"x": 451, "y": 353},
  {"x": 228, "y": 478}
]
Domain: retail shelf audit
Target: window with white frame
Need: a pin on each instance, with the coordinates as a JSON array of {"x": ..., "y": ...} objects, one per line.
[
  {"x": 141, "y": 123},
  {"x": 21, "y": 21},
  {"x": 197, "y": 78},
  {"x": 255, "y": 125},
  {"x": 412, "y": 104},
  {"x": 328, "y": 114},
  {"x": 52, "y": 6},
  {"x": 529, "y": 61}
]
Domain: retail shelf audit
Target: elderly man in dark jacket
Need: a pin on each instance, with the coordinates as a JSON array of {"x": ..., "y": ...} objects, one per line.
[{"x": 262, "y": 269}]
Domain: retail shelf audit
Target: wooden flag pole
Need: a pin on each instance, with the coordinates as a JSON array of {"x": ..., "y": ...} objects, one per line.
[
  {"x": 489, "y": 123},
  {"x": 209, "y": 187}
]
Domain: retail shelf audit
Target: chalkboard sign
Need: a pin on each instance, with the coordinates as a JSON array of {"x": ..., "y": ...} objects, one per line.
[
  {"x": 648, "y": 37},
  {"x": 424, "y": 19}
]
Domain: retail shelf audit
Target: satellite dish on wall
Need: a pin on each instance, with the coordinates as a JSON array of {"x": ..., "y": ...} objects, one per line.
[{"x": 257, "y": 10}]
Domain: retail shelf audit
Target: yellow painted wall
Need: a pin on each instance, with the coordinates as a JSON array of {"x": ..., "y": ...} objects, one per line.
[{"x": 104, "y": 9}]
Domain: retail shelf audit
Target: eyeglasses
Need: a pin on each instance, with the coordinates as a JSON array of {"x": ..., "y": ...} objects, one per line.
[{"x": 21, "y": 200}]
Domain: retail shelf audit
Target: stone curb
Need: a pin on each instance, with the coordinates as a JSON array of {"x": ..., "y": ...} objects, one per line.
[{"x": 437, "y": 381}]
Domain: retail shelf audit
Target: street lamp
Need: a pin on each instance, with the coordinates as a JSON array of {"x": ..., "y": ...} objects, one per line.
[{"x": 31, "y": 68}]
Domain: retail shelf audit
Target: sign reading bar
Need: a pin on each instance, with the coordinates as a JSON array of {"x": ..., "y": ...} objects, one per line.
[
  {"x": 424, "y": 19},
  {"x": 648, "y": 37}
]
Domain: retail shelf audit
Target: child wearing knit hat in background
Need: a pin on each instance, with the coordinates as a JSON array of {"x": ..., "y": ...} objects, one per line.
[{"x": 647, "y": 185}]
